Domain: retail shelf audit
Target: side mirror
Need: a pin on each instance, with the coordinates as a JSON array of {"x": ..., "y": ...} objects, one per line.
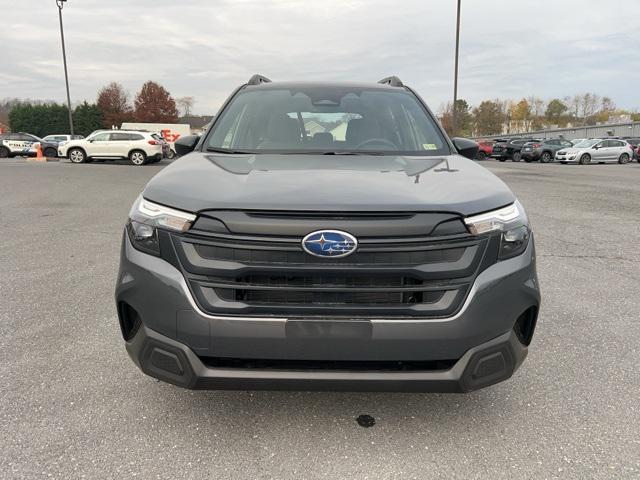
[
  {"x": 596, "y": 147},
  {"x": 186, "y": 144},
  {"x": 466, "y": 148}
]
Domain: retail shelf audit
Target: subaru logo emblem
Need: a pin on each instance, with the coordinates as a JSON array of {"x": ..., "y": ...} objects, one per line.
[{"x": 329, "y": 243}]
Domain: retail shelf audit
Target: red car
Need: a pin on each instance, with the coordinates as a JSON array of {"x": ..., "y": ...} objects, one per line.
[{"x": 485, "y": 148}]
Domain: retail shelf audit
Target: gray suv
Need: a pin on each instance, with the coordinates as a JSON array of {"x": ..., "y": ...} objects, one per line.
[{"x": 327, "y": 236}]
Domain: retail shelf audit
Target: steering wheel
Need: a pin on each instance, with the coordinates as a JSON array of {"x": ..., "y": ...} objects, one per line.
[{"x": 379, "y": 141}]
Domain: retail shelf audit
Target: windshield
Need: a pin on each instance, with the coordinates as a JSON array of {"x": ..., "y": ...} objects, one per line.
[
  {"x": 587, "y": 143},
  {"x": 336, "y": 119}
]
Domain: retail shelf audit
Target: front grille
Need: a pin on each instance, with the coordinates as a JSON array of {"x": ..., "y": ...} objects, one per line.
[
  {"x": 390, "y": 276},
  {"x": 327, "y": 289}
]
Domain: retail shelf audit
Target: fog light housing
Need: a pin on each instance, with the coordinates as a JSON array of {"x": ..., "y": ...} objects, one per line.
[
  {"x": 143, "y": 237},
  {"x": 514, "y": 242}
]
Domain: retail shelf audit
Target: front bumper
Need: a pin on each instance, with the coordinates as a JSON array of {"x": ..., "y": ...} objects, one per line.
[
  {"x": 566, "y": 158},
  {"x": 174, "y": 340},
  {"x": 173, "y": 362}
]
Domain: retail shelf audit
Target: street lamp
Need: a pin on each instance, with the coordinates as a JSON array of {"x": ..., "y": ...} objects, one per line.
[
  {"x": 60, "y": 4},
  {"x": 455, "y": 75}
]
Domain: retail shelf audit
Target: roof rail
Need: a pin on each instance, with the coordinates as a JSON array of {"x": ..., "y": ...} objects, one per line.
[
  {"x": 258, "y": 79},
  {"x": 392, "y": 81}
]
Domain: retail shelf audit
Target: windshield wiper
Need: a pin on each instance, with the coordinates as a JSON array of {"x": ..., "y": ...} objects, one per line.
[{"x": 227, "y": 150}]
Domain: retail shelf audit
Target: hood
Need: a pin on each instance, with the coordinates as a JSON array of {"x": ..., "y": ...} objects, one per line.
[{"x": 356, "y": 183}]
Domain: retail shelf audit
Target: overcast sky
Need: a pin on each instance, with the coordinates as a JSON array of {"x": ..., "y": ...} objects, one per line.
[{"x": 509, "y": 48}]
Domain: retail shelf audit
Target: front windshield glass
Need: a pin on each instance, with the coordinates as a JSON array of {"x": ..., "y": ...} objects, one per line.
[
  {"x": 587, "y": 143},
  {"x": 330, "y": 119}
]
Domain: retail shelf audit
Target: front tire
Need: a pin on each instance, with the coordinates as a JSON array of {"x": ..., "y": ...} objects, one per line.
[
  {"x": 138, "y": 158},
  {"x": 516, "y": 156},
  {"x": 481, "y": 155},
  {"x": 624, "y": 158},
  {"x": 584, "y": 159},
  {"x": 50, "y": 152},
  {"x": 546, "y": 157},
  {"x": 4, "y": 152},
  {"x": 77, "y": 155}
]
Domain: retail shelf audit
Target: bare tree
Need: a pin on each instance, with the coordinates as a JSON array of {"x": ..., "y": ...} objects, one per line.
[
  {"x": 589, "y": 103},
  {"x": 573, "y": 102},
  {"x": 185, "y": 104}
]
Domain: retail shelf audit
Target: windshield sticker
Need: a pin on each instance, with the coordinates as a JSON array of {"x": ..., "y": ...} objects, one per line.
[{"x": 429, "y": 146}]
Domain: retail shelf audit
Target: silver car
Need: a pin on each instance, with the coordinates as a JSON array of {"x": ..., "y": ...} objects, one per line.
[{"x": 596, "y": 150}]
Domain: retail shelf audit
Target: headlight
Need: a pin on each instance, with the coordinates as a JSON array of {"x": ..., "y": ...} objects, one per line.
[
  {"x": 144, "y": 219},
  {"x": 63, "y": 143},
  {"x": 512, "y": 221}
]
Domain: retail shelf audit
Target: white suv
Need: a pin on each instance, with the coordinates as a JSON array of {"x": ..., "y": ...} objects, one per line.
[{"x": 138, "y": 147}]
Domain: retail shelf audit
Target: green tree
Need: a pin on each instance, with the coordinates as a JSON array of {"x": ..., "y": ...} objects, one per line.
[
  {"x": 40, "y": 120},
  {"x": 463, "y": 119},
  {"x": 488, "y": 118},
  {"x": 87, "y": 118},
  {"x": 556, "y": 110}
]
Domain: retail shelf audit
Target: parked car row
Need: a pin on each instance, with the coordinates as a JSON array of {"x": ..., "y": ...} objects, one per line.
[
  {"x": 139, "y": 147},
  {"x": 580, "y": 150}
]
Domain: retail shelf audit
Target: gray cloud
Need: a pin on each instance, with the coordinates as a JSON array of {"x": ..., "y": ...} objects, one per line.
[{"x": 205, "y": 49}]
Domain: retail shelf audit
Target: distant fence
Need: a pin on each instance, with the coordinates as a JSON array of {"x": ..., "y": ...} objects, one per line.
[{"x": 615, "y": 129}]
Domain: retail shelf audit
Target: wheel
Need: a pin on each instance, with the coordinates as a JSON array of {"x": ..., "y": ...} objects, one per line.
[
  {"x": 4, "y": 152},
  {"x": 516, "y": 156},
  {"x": 584, "y": 159},
  {"x": 138, "y": 157},
  {"x": 546, "y": 157},
  {"x": 171, "y": 155},
  {"x": 481, "y": 155},
  {"x": 624, "y": 158},
  {"x": 50, "y": 152},
  {"x": 77, "y": 155}
]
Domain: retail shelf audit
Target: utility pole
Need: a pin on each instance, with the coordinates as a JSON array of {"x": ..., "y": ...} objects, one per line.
[
  {"x": 455, "y": 75},
  {"x": 60, "y": 4}
]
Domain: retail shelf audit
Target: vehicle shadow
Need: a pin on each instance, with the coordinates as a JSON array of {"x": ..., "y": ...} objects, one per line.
[{"x": 279, "y": 408}]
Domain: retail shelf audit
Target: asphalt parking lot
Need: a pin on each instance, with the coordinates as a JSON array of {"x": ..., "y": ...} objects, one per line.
[{"x": 72, "y": 404}]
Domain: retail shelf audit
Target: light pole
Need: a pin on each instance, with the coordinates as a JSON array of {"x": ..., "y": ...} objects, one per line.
[
  {"x": 455, "y": 75},
  {"x": 60, "y": 4}
]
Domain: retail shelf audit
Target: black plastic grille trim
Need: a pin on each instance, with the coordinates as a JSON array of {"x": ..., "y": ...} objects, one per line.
[
  {"x": 385, "y": 278},
  {"x": 323, "y": 365}
]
